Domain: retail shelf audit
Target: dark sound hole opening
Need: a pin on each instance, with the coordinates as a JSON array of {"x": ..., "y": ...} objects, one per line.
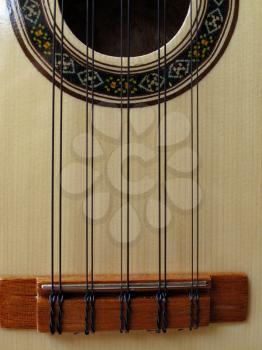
[{"x": 107, "y": 23}]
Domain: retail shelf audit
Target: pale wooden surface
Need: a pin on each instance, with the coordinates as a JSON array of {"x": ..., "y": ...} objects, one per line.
[{"x": 231, "y": 218}]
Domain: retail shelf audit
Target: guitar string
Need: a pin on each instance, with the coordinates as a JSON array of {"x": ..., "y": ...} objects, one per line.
[
  {"x": 60, "y": 296},
  {"x": 128, "y": 107},
  {"x": 92, "y": 176},
  {"x": 195, "y": 250},
  {"x": 165, "y": 147},
  {"x": 61, "y": 144},
  {"x": 52, "y": 294},
  {"x": 198, "y": 169},
  {"x": 87, "y": 172},
  {"x": 53, "y": 148},
  {"x": 159, "y": 144},
  {"x": 121, "y": 141},
  {"x": 192, "y": 170},
  {"x": 121, "y": 171},
  {"x": 159, "y": 297},
  {"x": 87, "y": 148},
  {"x": 162, "y": 295},
  {"x": 197, "y": 118},
  {"x": 164, "y": 307},
  {"x": 91, "y": 295},
  {"x": 61, "y": 158},
  {"x": 128, "y": 138}
]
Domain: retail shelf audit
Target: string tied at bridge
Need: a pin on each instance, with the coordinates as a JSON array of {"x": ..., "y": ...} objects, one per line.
[
  {"x": 89, "y": 313},
  {"x": 161, "y": 296},
  {"x": 125, "y": 297},
  {"x": 52, "y": 303},
  {"x": 125, "y": 311},
  {"x": 60, "y": 301},
  {"x": 194, "y": 315},
  {"x": 194, "y": 295},
  {"x": 90, "y": 294},
  {"x": 162, "y": 322}
]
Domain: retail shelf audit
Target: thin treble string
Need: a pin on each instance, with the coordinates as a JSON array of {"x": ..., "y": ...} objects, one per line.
[
  {"x": 159, "y": 145},
  {"x": 90, "y": 297},
  {"x": 197, "y": 151},
  {"x": 87, "y": 140},
  {"x": 121, "y": 131},
  {"x": 87, "y": 175},
  {"x": 92, "y": 176},
  {"x": 52, "y": 297},
  {"x": 53, "y": 148},
  {"x": 61, "y": 145},
  {"x": 197, "y": 312},
  {"x": 159, "y": 293},
  {"x": 165, "y": 148},
  {"x": 197, "y": 300},
  {"x": 92, "y": 158},
  {"x": 87, "y": 299},
  {"x": 60, "y": 295},
  {"x": 122, "y": 317},
  {"x": 164, "y": 325},
  {"x": 128, "y": 137},
  {"x": 192, "y": 145}
]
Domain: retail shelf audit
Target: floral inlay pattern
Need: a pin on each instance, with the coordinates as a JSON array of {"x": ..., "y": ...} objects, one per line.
[{"x": 143, "y": 85}]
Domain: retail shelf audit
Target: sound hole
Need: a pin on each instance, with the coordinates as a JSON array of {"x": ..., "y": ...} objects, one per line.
[{"x": 107, "y": 23}]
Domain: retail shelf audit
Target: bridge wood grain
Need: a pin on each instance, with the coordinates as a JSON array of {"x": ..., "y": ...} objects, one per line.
[{"x": 24, "y": 306}]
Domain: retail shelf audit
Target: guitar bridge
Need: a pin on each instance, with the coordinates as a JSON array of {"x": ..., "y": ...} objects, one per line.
[{"x": 25, "y": 303}]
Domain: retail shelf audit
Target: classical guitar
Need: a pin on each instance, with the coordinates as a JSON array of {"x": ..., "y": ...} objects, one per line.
[{"x": 131, "y": 139}]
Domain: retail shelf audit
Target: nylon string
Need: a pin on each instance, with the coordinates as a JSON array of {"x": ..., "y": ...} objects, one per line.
[
  {"x": 92, "y": 158},
  {"x": 128, "y": 138},
  {"x": 194, "y": 293},
  {"x": 52, "y": 297},
  {"x": 87, "y": 175},
  {"x": 60, "y": 295},
  {"x": 161, "y": 298},
  {"x": 121, "y": 141},
  {"x": 159, "y": 144}
]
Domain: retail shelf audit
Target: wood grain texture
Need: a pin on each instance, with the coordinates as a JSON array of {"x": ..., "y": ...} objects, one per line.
[
  {"x": 229, "y": 298},
  {"x": 143, "y": 315},
  {"x": 18, "y": 300},
  {"x": 24, "y": 305},
  {"x": 231, "y": 168}
]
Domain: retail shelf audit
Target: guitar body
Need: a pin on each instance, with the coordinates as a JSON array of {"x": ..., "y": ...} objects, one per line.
[{"x": 230, "y": 130}]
